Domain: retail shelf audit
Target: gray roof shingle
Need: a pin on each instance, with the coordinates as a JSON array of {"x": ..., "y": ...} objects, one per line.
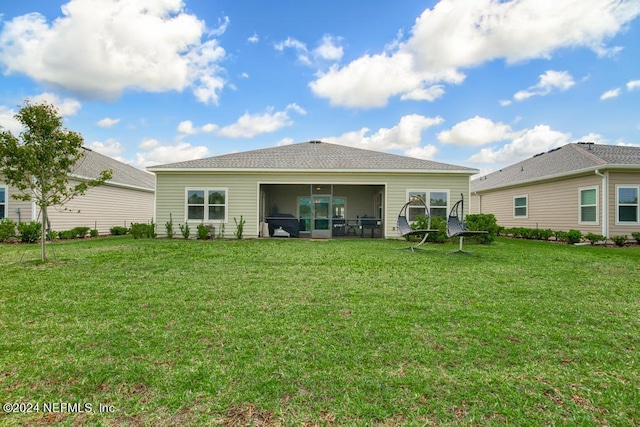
[
  {"x": 566, "y": 159},
  {"x": 313, "y": 156},
  {"x": 93, "y": 163}
]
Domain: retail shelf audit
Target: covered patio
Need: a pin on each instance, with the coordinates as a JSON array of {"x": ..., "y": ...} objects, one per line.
[{"x": 322, "y": 210}]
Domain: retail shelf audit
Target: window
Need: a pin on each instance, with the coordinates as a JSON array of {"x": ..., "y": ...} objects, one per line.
[
  {"x": 520, "y": 206},
  {"x": 213, "y": 207},
  {"x": 589, "y": 205},
  {"x": 437, "y": 200},
  {"x": 627, "y": 204},
  {"x": 3, "y": 201}
]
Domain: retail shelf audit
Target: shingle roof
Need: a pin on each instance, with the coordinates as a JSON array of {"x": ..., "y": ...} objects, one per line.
[
  {"x": 313, "y": 156},
  {"x": 564, "y": 160},
  {"x": 93, "y": 163}
]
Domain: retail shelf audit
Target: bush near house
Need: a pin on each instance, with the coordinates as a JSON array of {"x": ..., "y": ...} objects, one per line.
[
  {"x": 7, "y": 229},
  {"x": 142, "y": 231},
  {"x": 594, "y": 238},
  {"x": 483, "y": 222},
  {"x": 29, "y": 231},
  {"x": 619, "y": 240},
  {"x": 118, "y": 231},
  {"x": 636, "y": 235}
]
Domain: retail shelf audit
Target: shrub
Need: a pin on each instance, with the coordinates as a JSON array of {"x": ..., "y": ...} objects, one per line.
[
  {"x": 67, "y": 234},
  {"x": 7, "y": 229},
  {"x": 593, "y": 238},
  {"x": 203, "y": 232},
  {"x": 239, "y": 227},
  {"x": 142, "y": 231},
  {"x": 29, "y": 231},
  {"x": 439, "y": 224},
  {"x": 169, "y": 227},
  {"x": 185, "y": 230},
  {"x": 619, "y": 240},
  {"x": 573, "y": 236},
  {"x": 636, "y": 235},
  {"x": 80, "y": 232},
  {"x": 118, "y": 231},
  {"x": 544, "y": 234},
  {"x": 94, "y": 233},
  {"x": 483, "y": 222}
]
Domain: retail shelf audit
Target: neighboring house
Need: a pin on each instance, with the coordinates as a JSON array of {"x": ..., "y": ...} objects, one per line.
[
  {"x": 584, "y": 186},
  {"x": 326, "y": 189},
  {"x": 127, "y": 197}
]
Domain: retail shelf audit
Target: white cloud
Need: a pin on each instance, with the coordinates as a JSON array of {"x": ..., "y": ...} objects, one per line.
[
  {"x": 460, "y": 34},
  {"x": 186, "y": 127},
  {"x": 613, "y": 93},
  {"x": 209, "y": 128},
  {"x": 525, "y": 144},
  {"x": 300, "y": 48},
  {"x": 474, "y": 132},
  {"x": 103, "y": 47},
  {"x": 549, "y": 81},
  {"x": 8, "y": 121},
  {"x": 148, "y": 144},
  {"x": 110, "y": 147},
  {"x": 250, "y": 125},
  {"x": 159, "y": 154},
  {"x": 633, "y": 84},
  {"x": 254, "y": 38},
  {"x": 427, "y": 152},
  {"x": 405, "y": 136},
  {"x": 430, "y": 93},
  {"x": 108, "y": 122},
  {"x": 66, "y": 106},
  {"x": 329, "y": 49}
]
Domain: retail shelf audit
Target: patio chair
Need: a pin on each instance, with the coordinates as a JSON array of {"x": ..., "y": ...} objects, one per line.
[
  {"x": 456, "y": 227},
  {"x": 405, "y": 230}
]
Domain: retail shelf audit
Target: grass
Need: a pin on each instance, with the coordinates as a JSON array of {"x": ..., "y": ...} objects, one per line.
[{"x": 302, "y": 332}]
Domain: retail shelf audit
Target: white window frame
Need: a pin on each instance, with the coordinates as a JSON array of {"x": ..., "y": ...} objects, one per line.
[
  {"x": 637, "y": 205},
  {"x": 427, "y": 193},
  {"x": 596, "y": 205},
  {"x": 6, "y": 201},
  {"x": 526, "y": 206},
  {"x": 206, "y": 205}
]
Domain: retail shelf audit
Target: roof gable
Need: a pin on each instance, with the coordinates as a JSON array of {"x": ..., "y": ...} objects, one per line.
[
  {"x": 569, "y": 158},
  {"x": 313, "y": 156}
]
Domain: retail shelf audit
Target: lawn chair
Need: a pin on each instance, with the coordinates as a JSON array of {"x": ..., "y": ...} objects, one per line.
[
  {"x": 456, "y": 227},
  {"x": 405, "y": 230}
]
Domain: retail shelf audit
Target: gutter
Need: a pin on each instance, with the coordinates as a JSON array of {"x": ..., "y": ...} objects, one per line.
[
  {"x": 605, "y": 202},
  {"x": 315, "y": 171}
]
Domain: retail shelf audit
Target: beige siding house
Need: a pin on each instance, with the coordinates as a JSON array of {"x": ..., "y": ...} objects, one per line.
[
  {"x": 311, "y": 189},
  {"x": 128, "y": 197},
  {"x": 584, "y": 186}
]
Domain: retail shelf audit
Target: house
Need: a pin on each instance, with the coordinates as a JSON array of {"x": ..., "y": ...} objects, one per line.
[
  {"x": 127, "y": 197},
  {"x": 582, "y": 186},
  {"x": 311, "y": 189}
]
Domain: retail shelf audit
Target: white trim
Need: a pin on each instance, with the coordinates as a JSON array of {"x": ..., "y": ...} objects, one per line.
[
  {"x": 526, "y": 206},
  {"x": 637, "y": 205},
  {"x": 428, "y": 192},
  {"x": 580, "y": 206},
  {"x": 206, "y": 205}
]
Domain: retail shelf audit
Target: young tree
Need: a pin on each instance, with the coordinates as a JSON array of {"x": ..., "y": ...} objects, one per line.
[{"x": 40, "y": 159}]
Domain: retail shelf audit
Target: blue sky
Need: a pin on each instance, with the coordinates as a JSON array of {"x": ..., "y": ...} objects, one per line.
[{"x": 478, "y": 83}]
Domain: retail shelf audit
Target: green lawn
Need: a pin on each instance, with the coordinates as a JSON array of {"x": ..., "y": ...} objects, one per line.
[{"x": 302, "y": 332}]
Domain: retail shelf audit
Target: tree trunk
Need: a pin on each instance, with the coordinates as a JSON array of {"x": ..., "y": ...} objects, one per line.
[{"x": 44, "y": 233}]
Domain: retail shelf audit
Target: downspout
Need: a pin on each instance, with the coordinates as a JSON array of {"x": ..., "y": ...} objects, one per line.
[{"x": 605, "y": 203}]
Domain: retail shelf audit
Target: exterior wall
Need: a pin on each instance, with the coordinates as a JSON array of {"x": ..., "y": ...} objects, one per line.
[
  {"x": 16, "y": 210},
  {"x": 625, "y": 179},
  {"x": 244, "y": 188},
  {"x": 553, "y": 205},
  {"x": 104, "y": 206}
]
